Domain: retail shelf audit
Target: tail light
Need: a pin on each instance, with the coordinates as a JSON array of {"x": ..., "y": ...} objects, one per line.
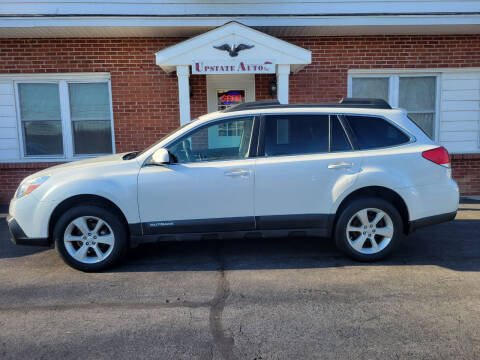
[{"x": 438, "y": 156}]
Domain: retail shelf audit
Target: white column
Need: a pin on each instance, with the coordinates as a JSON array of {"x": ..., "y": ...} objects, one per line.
[
  {"x": 183, "y": 72},
  {"x": 283, "y": 71}
]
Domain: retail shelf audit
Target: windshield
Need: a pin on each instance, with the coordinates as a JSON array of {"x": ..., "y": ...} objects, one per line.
[{"x": 164, "y": 137}]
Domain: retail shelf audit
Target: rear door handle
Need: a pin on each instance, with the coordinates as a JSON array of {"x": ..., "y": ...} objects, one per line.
[
  {"x": 340, "y": 165},
  {"x": 237, "y": 172}
]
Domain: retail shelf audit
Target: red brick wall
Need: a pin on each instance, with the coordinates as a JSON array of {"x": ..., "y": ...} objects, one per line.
[
  {"x": 145, "y": 99},
  {"x": 466, "y": 171}
]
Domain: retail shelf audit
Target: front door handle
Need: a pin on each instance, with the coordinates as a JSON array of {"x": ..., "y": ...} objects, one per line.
[
  {"x": 237, "y": 172},
  {"x": 340, "y": 165}
]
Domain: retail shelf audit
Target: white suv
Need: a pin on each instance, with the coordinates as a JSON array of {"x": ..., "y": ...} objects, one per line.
[{"x": 358, "y": 171}]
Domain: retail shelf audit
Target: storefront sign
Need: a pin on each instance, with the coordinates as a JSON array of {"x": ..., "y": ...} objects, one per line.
[{"x": 238, "y": 67}]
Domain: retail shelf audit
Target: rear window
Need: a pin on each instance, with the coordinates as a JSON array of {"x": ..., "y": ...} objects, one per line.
[{"x": 373, "y": 132}]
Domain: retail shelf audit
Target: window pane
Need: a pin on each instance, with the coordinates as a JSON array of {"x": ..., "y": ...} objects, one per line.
[
  {"x": 424, "y": 121},
  {"x": 43, "y": 137},
  {"x": 417, "y": 93},
  {"x": 373, "y": 132},
  {"x": 339, "y": 138},
  {"x": 92, "y": 137},
  {"x": 296, "y": 134},
  {"x": 215, "y": 142},
  {"x": 89, "y": 101},
  {"x": 417, "y": 96},
  {"x": 376, "y": 88},
  {"x": 90, "y": 114},
  {"x": 39, "y": 102}
]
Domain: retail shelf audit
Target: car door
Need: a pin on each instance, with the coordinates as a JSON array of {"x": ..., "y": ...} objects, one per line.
[
  {"x": 208, "y": 187},
  {"x": 304, "y": 161}
]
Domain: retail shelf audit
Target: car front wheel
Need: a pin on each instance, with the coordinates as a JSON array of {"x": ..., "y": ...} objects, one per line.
[
  {"x": 90, "y": 238},
  {"x": 368, "y": 229}
]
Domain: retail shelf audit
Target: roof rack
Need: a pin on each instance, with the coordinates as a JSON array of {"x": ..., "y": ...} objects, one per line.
[
  {"x": 344, "y": 103},
  {"x": 366, "y": 102},
  {"x": 253, "y": 105}
]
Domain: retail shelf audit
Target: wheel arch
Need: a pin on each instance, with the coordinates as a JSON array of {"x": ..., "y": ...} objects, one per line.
[
  {"x": 377, "y": 192},
  {"x": 84, "y": 199}
]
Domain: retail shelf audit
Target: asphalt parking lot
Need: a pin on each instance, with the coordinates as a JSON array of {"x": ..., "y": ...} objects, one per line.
[{"x": 269, "y": 299}]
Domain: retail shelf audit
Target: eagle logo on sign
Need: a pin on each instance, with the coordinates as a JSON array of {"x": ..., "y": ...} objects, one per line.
[{"x": 233, "y": 50}]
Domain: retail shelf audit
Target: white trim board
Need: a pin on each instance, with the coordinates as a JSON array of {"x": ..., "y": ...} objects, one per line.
[
  {"x": 94, "y": 76},
  {"x": 186, "y": 26}
]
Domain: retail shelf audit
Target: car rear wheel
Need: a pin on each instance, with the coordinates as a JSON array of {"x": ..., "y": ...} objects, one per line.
[
  {"x": 368, "y": 229},
  {"x": 90, "y": 238}
]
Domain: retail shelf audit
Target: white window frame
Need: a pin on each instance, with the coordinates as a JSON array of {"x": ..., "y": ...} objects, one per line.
[
  {"x": 67, "y": 134},
  {"x": 394, "y": 88}
]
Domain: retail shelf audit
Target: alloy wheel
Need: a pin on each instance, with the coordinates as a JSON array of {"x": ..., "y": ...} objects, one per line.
[
  {"x": 369, "y": 231},
  {"x": 89, "y": 239}
]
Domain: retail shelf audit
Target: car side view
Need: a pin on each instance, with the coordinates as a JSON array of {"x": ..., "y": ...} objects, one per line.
[{"x": 358, "y": 171}]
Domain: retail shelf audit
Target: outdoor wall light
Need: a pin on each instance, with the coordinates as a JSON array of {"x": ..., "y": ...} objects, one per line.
[{"x": 272, "y": 88}]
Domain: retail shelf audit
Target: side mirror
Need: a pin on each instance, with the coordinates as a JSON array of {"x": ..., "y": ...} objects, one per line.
[{"x": 161, "y": 156}]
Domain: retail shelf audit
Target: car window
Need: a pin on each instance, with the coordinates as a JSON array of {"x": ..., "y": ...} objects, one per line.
[
  {"x": 296, "y": 134},
  {"x": 339, "y": 140},
  {"x": 229, "y": 139},
  {"x": 373, "y": 132}
]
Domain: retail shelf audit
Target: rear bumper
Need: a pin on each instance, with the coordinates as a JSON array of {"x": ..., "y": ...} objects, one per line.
[
  {"x": 18, "y": 235},
  {"x": 431, "y": 220}
]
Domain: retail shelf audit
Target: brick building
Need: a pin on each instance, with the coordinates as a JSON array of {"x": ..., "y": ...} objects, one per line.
[{"x": 88, "y": 78}]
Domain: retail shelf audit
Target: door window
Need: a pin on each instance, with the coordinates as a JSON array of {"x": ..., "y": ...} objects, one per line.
[
  {"x": 338, "y": 138},
  {"x": 304, "y": 134},
  {"x": 210, "y": 142}
]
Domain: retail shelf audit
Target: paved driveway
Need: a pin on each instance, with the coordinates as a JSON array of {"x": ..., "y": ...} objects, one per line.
[{"x": 270, "y": 299}]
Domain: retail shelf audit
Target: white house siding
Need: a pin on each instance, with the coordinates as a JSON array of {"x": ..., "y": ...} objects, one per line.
[
  {"x": 460, "y": 111},
  {"x": 9, "y": 144},
  {"x": 234, "y": 7}
]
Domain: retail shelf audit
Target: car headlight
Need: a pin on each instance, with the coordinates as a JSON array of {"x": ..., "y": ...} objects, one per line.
[{"x": 27, "y": 187}]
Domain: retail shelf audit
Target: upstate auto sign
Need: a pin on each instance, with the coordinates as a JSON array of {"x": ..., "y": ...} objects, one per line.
[{"x": 233, "y": 67}]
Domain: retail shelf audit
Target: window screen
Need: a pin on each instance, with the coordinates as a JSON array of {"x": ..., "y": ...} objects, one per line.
[
  {"x": 41, "y": 118},
  {"x": 370, "y": 87},
  {"x": 417, "y": 96},
  {"x": 373, "y": 132},
  {"x": 296, "y": 134},
  {"x": 90, "y": 115}
]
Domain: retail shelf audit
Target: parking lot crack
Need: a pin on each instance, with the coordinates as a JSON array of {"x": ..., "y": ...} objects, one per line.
[{"x": 221, "y": 339}]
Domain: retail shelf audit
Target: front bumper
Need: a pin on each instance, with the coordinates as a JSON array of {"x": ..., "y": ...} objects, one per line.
[{"x": 18, "y": 235}]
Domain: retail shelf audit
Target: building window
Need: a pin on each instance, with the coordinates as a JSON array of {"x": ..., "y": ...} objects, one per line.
[
  {"x": 41, "y": 120},
  {"x": 415, "y": 93},
  {"x": 64, "y": 119},
  {"x": 90, "y": 115}
]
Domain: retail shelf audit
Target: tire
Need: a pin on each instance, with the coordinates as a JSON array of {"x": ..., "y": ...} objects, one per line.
[
  {"x": 87, "y": 248},
  {"x": 357, "y": 235}
]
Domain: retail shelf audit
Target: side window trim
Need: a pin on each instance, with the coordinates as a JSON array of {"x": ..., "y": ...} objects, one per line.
[{"x": 251, "y": 152}]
